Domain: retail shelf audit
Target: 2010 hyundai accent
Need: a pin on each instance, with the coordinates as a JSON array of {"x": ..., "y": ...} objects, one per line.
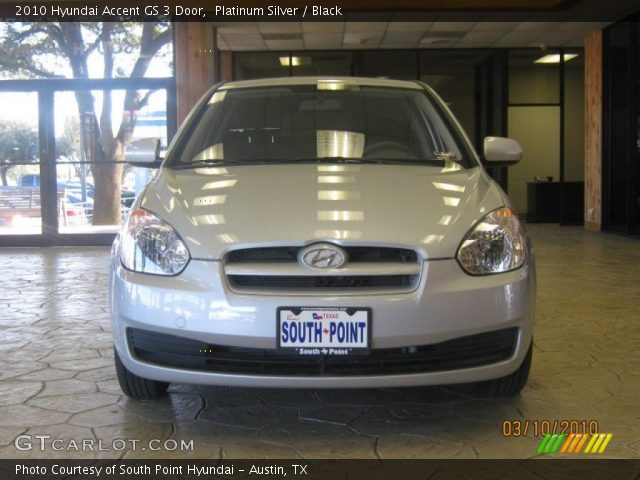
[{"x": 322, "y": 232}]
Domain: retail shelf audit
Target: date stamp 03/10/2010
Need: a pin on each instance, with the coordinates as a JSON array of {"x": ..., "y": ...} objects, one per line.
[
  {"x": 537, "y": 427},
  {"x": 560, "y": 435}
]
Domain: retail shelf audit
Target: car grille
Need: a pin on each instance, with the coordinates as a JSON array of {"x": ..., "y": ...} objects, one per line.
[
  {"x": 183, "y": 353},
  {"x": 290, "y": 254},
  {"x": 276, "y": 269},
  {"x": 297, "y": 282}
]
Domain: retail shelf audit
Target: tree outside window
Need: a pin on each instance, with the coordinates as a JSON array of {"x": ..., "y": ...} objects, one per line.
[{"x": 93, "y": 50}]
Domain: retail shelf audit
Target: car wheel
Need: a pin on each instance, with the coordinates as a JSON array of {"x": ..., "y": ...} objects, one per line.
[
  {"x": 510, "y": 385},
  {"x": 137, "y": 387}
]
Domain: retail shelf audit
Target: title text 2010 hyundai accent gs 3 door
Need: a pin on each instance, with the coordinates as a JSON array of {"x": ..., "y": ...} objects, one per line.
[{"x": 322, "y": 233}]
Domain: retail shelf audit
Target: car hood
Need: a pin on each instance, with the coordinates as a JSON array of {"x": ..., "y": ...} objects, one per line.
[{"x": 425, "y": 208}]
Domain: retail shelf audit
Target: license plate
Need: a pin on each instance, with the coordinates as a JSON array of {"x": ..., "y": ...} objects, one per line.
[{"x": 324, "y": 331}]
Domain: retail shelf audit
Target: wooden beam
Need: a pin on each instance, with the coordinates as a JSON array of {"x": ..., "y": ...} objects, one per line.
[
  {"x": 593, "y": 132},
  {"x": 194, "y": 64}
]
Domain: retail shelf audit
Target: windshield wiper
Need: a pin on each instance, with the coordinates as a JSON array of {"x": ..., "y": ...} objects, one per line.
[
  {"x": 343, "y": 160},
  {"x": 446, "y": 156},
  {"x": 208, "y": 163},
  {"x": 437, "y": 160},
  {"x": 323, "y": 160}
]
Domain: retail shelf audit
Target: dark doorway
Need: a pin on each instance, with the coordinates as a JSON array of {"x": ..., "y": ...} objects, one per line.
[{"x": 621, "y": 135}]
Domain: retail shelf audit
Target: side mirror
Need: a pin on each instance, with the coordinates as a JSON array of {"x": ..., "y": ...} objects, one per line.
[
  {"x": 501, "y": 152},
  {"x": 144, "y": 152}
]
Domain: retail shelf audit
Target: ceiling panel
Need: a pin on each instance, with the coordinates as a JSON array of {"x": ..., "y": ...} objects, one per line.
[
  {"x": 362, "y": 38},
  {"x": 249, "y": 47},
  {"x": 238, "y": 27},
  {"x": 409, "y": 26},
  {"x": 347, "y": 35},
  {"x": 451, "y": 26},
  {"x": 403, "y": 38},
  {"x": 323, "y": 37},
  {"x": 581, "y": 26},
  {"x": 482, "y": 37},
  {"x": 536, "y": 26},
  {"x": 330, "y": 44},
  {"x": 321, "y": 27},
  {"x": 494, "y": 26},
  {"x": 240, "y": 39},
  {"x": 279, "y": 27},
  {"x": 285, "y": 44},
  {"x": 367, "y": 27}
]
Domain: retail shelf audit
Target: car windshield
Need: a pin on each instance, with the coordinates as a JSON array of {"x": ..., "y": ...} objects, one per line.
[{"x": 316, "y": 123}]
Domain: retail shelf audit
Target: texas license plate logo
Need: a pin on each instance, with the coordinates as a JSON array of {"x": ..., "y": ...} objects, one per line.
[{"x": 324, "y": 331}]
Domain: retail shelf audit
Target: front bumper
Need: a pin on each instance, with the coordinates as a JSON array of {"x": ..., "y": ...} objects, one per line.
[{"x": 446, "y": 305}]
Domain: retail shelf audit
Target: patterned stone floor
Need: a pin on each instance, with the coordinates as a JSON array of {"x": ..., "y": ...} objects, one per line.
[{"x": 57, "y": 376}]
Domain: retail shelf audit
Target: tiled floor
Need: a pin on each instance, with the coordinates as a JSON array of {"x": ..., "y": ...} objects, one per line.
[{"x": 57, "y": 376}]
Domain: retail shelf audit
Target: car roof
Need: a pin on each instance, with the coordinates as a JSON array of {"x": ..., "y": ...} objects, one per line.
[{"x": 288, "y": 81}]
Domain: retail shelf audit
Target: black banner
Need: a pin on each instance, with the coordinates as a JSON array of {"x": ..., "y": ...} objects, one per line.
[
  {"x": 315, "y": 10},
  {"x": 319, "y": 469}
]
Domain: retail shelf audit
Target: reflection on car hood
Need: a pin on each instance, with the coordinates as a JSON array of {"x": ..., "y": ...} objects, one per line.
[{"x": 218, "y": 209}]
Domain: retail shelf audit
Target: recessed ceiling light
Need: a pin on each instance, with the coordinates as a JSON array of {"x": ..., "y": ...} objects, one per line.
[
  {"x": 555, "y": 58},
  {"x": 295, "y": 61}
]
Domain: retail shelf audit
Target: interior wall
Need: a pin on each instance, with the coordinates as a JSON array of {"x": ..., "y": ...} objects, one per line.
[
  {"x": 226, "y": 66},
  {"x": 534, "y": 84},
  {"x": 574, "y": 123},
  {"x": 537, "y": 129},
  {"x": 534, "y": 121}
]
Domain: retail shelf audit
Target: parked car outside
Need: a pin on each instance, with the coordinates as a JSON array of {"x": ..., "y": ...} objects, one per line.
[
  {"x": 76, "y": 207},
  {"x": 29, "y": 180},
  {"x": 321, "y": 233}
]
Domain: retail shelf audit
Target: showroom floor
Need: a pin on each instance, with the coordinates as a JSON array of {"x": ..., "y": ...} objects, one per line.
[{"x": 57, "y": 376}]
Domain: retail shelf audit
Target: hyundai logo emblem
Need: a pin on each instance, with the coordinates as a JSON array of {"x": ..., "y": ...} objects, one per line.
[{"x": 322, "y": 255}]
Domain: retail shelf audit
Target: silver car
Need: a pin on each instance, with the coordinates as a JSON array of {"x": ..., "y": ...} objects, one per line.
[{"x": 322, "y": 233}]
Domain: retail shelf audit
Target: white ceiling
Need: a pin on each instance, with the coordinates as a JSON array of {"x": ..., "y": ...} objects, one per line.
[{"x": 254, "y": 36}]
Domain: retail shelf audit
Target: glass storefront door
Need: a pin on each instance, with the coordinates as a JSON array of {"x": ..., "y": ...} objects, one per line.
[
  {"x": 20, "y": 199},
  {"x": 63, "y": 179},
  {"x": 95, "y": 187}
]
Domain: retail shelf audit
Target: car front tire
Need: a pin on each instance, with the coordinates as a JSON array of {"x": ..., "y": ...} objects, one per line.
[
  {"x": 509, "y": 385},
  {"x": 137, "y": 387}
]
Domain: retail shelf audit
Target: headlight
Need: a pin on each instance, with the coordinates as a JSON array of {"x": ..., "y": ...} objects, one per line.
[
  {"x": 148, "y": 244},
  {"x": 496, "y": 244}
]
